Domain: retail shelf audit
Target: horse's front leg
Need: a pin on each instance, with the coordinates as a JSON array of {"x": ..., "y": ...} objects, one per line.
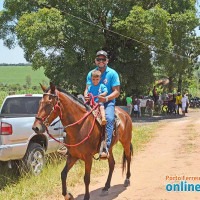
[
  {"x": 88, "y": 166},
  {"x": 111, "y": 163},
  {"x": 70, "y": 162}
]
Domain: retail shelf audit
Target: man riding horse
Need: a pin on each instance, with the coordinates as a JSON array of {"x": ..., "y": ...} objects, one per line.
[{"x": 110, "y": 78}]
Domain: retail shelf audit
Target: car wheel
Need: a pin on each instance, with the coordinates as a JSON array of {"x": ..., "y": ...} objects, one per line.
[{"x": 34, "y": 159}]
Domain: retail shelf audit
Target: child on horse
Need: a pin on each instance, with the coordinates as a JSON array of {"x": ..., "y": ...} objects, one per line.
[
  {"x": 110, "y": 78},
  {"x": 97, "y": 89}
]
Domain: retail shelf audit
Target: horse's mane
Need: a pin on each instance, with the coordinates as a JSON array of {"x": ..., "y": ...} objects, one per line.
[{"x": 74, "y": 98}]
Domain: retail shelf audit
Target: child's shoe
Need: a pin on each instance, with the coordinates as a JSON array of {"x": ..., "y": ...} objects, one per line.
[{"x": 104, "y": 121}]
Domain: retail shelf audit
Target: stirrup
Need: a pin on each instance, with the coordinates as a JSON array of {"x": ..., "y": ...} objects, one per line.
[
  {"x": 104, "y": 155},
  {"x": 63, "y": 151}
]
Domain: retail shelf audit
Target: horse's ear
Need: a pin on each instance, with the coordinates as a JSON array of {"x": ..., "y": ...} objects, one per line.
[
  {"x": 52, "y": 87},
  {"x": 43, "y": 87}
]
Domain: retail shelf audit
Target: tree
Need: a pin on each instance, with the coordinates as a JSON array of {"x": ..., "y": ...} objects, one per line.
[
  {"x": 65, "y": 45},
  {"x": 179, "y": 62},
  {"x": 63, "y": 37}
]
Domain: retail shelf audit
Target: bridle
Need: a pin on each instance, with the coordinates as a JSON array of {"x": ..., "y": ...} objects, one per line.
[{"x": 53, "y": 108}]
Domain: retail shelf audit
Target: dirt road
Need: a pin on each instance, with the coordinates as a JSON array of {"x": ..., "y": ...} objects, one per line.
[{"x": 173, "y": 154}]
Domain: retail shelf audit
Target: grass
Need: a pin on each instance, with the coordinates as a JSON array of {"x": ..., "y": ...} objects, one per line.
[
  {"x": 48, "y": 183},
  {"x": 17, "y": 75},
  {"x": 192, "y": 135},
  {"x": 11, "y": 75}
]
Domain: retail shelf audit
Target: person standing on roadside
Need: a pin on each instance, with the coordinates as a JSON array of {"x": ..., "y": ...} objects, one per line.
[
  {"x": 187, "y": 103},
  {"x": 129, "y": 104},
  {"x": 184, "y": 104},
  {"x": 110, "y": 78},
  {"x": 155, "y": 95},
  {"x": 178, "y": 101},
  {"x": 139, "y": 106}
]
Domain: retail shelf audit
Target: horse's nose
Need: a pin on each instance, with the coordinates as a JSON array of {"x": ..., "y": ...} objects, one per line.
[{"x": 36, "y": 129}]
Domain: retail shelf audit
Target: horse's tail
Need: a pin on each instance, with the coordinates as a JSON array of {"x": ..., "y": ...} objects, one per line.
[{"x": 124, "y": 158}]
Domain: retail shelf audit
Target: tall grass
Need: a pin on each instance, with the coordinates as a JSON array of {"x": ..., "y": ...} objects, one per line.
[{"x": 48, "y": 184}]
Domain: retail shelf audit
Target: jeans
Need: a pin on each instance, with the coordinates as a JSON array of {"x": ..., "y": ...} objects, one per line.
[
  {"x": 130, "y": 108},
  {"x": 110, "y": 116}
]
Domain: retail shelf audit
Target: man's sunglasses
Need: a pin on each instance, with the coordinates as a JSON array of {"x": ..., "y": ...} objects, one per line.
[{"x": 101, "y": 59}]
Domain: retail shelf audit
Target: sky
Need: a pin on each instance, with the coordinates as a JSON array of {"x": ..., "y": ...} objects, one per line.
[
  {"x": 12, "y": 56},
  {"x": 16, "y": 55}
]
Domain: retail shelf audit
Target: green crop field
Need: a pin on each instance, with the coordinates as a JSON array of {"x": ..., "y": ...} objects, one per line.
[{"x": 17, "y": 75}]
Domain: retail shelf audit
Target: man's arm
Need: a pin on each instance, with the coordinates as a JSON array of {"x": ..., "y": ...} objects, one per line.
[{"x": 113, "y": 95}]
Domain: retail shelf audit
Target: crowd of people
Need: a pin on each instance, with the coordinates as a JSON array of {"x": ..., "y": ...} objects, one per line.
[
  {"x": 174, "y": 102},
  {"x": 133, "y": 105},
  {"x": 178, "y": 101}
]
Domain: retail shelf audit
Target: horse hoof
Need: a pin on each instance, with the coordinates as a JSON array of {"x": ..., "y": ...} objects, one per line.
[
  {"x": 86, "y": 198},
  {"x": 126, "y": 183},
  {"x": 69, "y": 197},
  {"x": 104, "y": 192}
]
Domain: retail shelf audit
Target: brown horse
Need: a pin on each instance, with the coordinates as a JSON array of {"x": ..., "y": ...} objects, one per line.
[{"x": 72, "y": 110}]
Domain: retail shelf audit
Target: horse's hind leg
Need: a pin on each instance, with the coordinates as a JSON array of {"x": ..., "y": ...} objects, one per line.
[
  {"x": 111, "y": 163},
  {"x": 70, "y": 162},
  {"x": 128, "y": 151}
]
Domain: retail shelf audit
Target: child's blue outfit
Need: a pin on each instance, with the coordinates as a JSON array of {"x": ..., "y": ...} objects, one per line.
[{"x": 97, "y": 90}]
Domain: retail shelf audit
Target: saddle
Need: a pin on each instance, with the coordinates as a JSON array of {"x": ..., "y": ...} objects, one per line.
[
  {"x": 98, "y": 119},
  {"x": 103, "y": 143}
]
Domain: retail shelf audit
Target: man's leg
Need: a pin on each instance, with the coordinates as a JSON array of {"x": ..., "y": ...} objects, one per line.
[
  {"x": 139, "y": 110},
  {"x": 186, "y": 109},
  {"x": 183, "y": 111},
  {"x": 129, "y": 106},
  {"x": 131, "y": 109},
  {"x": 178, "y": 109},
  {"x": 110, "y": 114}
]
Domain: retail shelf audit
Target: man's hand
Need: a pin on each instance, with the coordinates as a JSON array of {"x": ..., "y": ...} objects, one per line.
[
  {"x": 101, "y": 98},
  {"x": 86, "y": 97}
]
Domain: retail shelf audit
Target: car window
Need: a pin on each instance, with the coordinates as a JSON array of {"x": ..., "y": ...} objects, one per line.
[{"x": 21, "y": 105}]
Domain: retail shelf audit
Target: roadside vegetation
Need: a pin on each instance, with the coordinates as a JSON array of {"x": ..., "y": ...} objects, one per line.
[
  {"x": 146, "y": 41},
  {"x": 47, "y": 184},
  {"x": 24, "y": 76},
  {"x": 21, "y": 80}
]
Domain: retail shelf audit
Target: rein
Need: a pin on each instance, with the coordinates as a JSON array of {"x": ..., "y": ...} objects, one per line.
[
  {"x": 73, "y": 145},
  {"x": 57, "y": 106}
]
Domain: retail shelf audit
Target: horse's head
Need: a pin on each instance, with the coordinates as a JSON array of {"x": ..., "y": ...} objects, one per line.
[{"x": 49, "y": 109}]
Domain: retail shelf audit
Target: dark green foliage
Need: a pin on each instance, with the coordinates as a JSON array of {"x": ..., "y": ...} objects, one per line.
[{"x": 63, "y": 37}]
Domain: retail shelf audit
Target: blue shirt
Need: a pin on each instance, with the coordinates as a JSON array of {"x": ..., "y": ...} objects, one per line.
[
  {"x": 109, "y": 78},
  {"x": 97, "y": 90}
]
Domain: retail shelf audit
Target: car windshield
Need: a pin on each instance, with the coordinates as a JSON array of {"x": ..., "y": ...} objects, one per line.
[{"x": 21, "y": 105}]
